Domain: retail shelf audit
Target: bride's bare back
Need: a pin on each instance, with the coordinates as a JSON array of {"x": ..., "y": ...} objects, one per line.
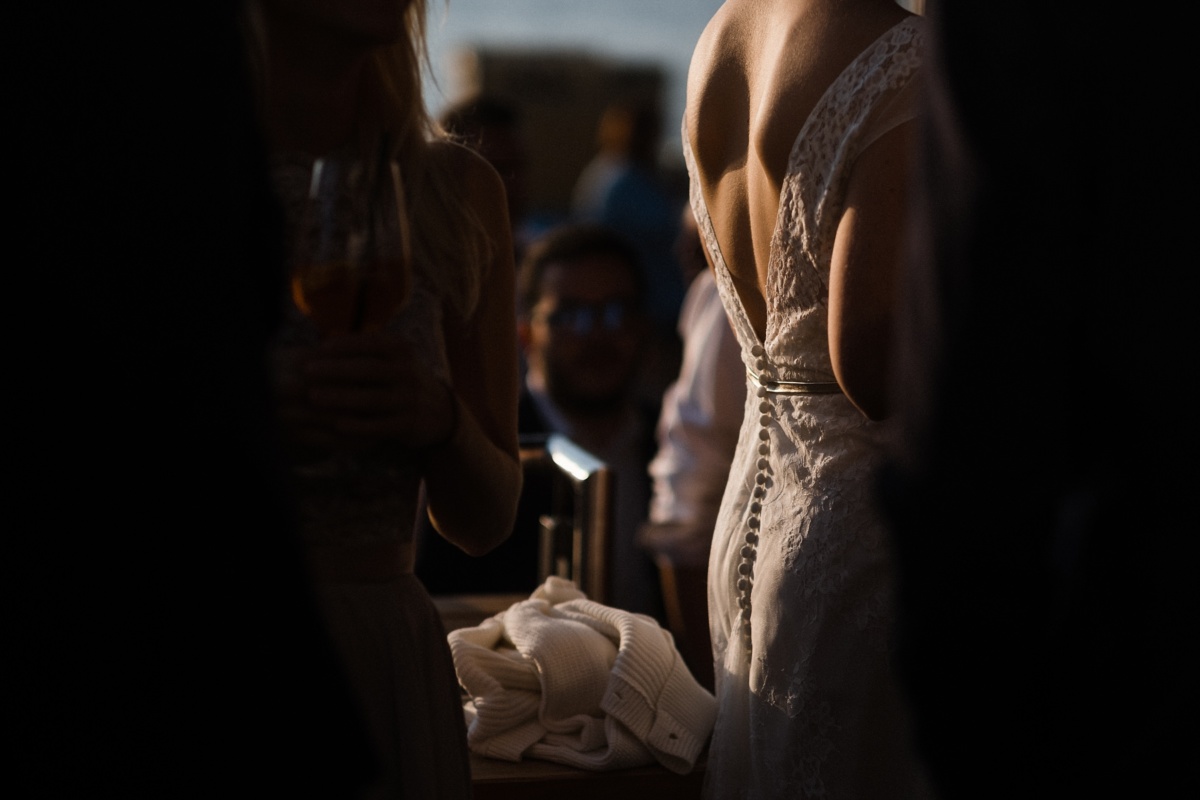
[{"x": 758, "y": 71}]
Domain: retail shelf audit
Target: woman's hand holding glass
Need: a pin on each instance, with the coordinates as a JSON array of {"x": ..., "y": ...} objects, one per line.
[
  {"x": 360, "y": 385},
  {"x": 351, "y": 254}
]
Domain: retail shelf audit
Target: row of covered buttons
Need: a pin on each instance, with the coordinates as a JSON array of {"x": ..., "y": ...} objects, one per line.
[{"x": 745, "y": 581}]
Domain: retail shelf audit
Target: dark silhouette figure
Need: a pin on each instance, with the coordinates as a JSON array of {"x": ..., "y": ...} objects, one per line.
[
  {"x": 161, "y": 640},
  {"x": 1040, "y": 499}
]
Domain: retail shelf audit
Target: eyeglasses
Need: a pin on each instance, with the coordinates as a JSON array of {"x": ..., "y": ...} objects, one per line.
[{"x": 581, "y": 320}]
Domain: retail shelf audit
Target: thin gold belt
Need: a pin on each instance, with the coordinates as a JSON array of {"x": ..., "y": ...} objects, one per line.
[{"x": 794, "y": 387}]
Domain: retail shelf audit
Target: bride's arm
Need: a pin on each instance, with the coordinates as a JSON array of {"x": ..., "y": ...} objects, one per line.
[
  {"x": 864, "y": 270},
  {"x": 473, "y": 480}
]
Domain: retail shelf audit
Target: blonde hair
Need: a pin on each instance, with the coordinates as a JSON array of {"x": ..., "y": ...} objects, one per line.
[{"x": 451, "y": 244}]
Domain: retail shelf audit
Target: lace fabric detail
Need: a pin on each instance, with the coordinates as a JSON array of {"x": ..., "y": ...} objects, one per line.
[
  {"x": 791, "y": 721},
  {"x": 847, "y": 118}
]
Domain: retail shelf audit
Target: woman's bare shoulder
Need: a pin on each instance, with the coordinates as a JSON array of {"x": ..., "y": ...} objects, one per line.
[
  {"x": 481, "y": 184},
  {"x": 468, "y": 165},
  {"x": 717, "y": 89},
  {"x": 718, "y": 52}
]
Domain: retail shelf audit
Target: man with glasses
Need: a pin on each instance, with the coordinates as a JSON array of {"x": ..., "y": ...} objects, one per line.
[{"x": 583, "y": 331}]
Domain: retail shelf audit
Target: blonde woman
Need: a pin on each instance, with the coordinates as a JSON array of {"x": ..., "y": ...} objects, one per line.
[
  {"x": 427, "y": 400},
  {"x": 799, "y": 120}
]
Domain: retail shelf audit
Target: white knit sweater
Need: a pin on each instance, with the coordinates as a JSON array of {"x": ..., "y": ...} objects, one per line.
[{"x": 565, "y": 679}]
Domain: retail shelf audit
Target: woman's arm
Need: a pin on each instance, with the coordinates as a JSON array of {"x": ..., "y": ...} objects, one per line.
[
  {"x": 864, "y": 270},
  {"x": 473, "y": 481}
]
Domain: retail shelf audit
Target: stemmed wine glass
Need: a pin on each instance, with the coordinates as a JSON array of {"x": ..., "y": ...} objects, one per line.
[{"x": 351, "y": 256}]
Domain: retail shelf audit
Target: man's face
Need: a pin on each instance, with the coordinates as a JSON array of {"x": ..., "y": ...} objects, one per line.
[{"x": 584, "y": 334}]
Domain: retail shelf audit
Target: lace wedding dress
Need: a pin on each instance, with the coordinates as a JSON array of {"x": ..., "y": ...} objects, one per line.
[{"x": 799, "y": 577}]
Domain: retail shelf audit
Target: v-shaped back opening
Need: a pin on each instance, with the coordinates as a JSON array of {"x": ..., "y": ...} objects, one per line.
[
  {"x": 744, "y": 331},
  {"x": 781, "y": 216}
]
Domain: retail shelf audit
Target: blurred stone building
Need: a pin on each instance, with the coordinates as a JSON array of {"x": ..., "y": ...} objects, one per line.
[{"x": 559, "y": 97}]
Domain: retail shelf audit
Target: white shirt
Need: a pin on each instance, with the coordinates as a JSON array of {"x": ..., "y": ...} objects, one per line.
[{"x": 700, "y": 420}]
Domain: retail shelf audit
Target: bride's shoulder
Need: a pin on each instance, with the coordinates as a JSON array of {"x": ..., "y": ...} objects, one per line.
[
  {"x": 716, "y": 82},
  {"x": 727, "y": 33}
]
